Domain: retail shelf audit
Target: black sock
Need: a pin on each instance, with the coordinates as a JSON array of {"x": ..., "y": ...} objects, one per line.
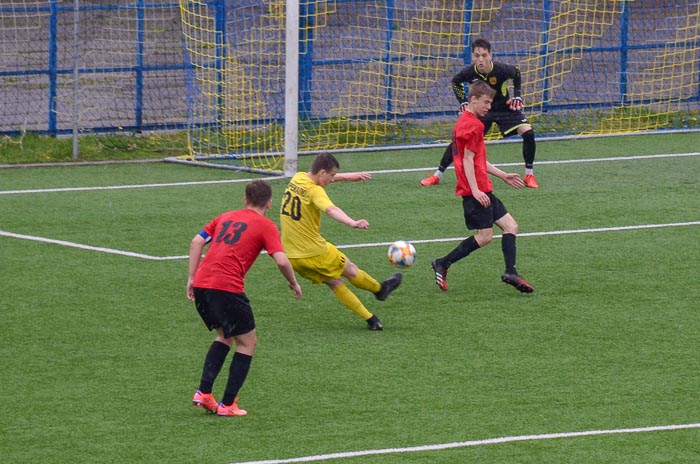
[
  {"x": 236, "y": 376},
  {"x": 462, "y": 251},
  {"x": 529, "y": 148},
  {"x": 508, "y": 247},
  {"x": 212, "y": 365},
  {"x": 446, "y": 159}
]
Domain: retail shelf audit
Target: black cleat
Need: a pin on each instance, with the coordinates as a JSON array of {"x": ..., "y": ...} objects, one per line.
[
  {"x": 373, "y": 323},
  {"x": 440, "y": 275},
  {"x": 388, "y": 286},
  {"x": 518, "y": 282}
]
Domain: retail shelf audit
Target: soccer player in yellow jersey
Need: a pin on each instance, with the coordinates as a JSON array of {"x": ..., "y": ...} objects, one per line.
[{"x": 314, "y": 258}]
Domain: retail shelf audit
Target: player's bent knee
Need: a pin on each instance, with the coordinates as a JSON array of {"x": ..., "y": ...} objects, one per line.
[
  {"x": 351, "y": 270},
  {"x": 483, "y": 238},
  {"x": 511, "y": 228},
  {"x": 247, "y": 342},
  {"x": 222, "y": 339},
  {"x": 508, "y": 224},
  {"x": 528, "y": 135},
  {"x": 334, "y": 283}
]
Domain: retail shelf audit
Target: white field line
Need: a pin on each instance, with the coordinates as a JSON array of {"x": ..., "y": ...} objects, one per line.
[
  {"x": 359, "y": 245},
  {"x": 127, "y": 187},
  {"x": 81, "y": 246},
  {"x": 464, "y": 444},
  {"x": 386, "y": 171},
  {"x": 573, "y": 161}
]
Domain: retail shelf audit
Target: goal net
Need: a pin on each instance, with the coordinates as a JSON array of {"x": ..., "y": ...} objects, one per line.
[{"x": 376, "y": 74}]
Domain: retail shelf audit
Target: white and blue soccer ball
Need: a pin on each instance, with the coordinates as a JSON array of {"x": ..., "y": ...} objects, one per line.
[{"x": 401, "y": 254}]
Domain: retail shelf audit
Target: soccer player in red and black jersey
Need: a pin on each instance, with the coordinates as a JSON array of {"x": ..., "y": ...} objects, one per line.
[
  {"x": 506, "y": 112},
  {"x": 216, "y": 285},
  {"x": 482, "y": 209}
]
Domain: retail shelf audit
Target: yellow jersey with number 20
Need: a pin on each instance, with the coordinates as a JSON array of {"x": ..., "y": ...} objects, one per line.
[{"x": 300, "y": 217}]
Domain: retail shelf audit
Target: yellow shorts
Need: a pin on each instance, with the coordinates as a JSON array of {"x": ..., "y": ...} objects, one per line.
[{"x": 329, "y": 265}]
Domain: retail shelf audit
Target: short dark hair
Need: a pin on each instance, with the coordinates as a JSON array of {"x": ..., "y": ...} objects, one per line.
[
  {"x": 481, "y": 43},
  {"x": 258, "y": 193},
  {"x": 480, "y": 88},
  {"x": 324, "y": 161}
]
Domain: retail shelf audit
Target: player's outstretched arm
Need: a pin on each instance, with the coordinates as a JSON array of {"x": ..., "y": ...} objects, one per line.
[
  {"x": 353, "y": 176},
  {"x": 509, "y": 178},
  {"x": 287, "y": 271},
  {"x": 339, "y": 215}
]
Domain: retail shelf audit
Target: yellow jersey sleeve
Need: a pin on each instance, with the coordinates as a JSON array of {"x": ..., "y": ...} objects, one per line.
[{"x": 303, "y": 202}]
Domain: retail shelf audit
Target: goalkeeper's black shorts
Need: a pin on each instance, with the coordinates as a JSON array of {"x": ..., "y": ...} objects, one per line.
[
  {"x": 228, "y": 311},
  {"x": 507, "y": 121}
]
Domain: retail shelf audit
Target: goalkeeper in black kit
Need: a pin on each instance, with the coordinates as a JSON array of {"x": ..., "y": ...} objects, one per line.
[{"x": 506, "y": 111}]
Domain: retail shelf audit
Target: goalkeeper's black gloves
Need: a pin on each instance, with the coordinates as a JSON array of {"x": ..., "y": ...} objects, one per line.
[{"x": 515, "y": 104}]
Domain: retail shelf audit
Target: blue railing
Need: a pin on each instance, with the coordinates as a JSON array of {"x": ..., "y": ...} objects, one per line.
[{"x": 156, "y": 96}]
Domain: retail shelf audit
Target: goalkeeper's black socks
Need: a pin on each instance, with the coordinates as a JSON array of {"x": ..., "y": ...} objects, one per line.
[
  {"x": 212, "y": 365},
  {"x": 446, "y": 159},
  {"x": 529, "y": 148}
]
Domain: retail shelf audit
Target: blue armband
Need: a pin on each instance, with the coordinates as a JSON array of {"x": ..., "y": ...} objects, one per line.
[{"x": 205, "y": 236}]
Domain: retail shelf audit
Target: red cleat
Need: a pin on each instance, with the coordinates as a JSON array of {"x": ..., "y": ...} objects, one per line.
[
  {"x": 232, "y": 410},
  {"x": 440, "y": 275},
  {"x": 531, "y": 181},
  {"x": 518, "y": 282},
  {"x": 430, "y": 180},
  {"x": 206, "y": 401}
]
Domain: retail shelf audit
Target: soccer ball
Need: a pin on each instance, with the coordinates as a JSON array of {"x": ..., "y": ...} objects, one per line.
[{"x": 401, "y": 254}]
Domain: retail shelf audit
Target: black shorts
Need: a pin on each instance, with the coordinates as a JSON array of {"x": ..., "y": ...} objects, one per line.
[
  {"x": 225, "y": 310},
  {"x": 477, "y": 217},
  {"x": 507, "y": 121}
]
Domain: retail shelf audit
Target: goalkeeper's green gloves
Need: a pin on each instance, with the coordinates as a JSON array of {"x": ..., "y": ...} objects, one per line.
[{"x": 515, "y": 104}]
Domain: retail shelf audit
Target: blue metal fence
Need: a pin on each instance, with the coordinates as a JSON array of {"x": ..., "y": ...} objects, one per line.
[
  {"x": 132, "y": 66},
  {"x": 46, "y": 40}
]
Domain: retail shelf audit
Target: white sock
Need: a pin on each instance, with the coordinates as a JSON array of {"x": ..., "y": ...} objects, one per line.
[
  {"x": 528, "y": 171},
  {"x": 438, "y": 174}
]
